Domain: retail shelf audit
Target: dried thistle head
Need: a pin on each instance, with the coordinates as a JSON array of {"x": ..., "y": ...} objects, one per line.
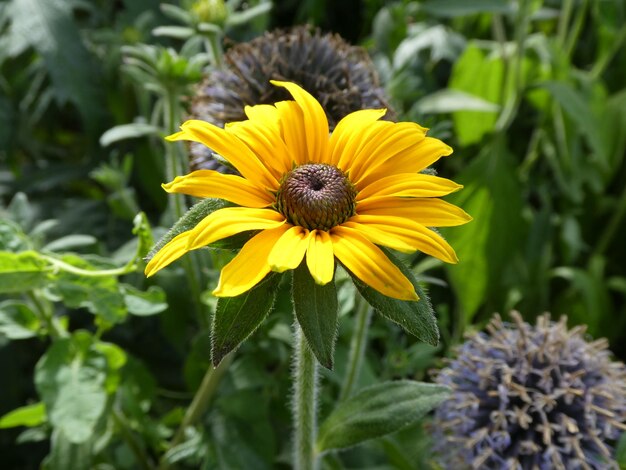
[
  {"x": 531, "y": 397},
  {"x": 340, "y": 76}
]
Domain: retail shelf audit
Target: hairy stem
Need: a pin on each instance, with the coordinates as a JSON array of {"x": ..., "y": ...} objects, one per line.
[{"x": 304, "y": 404}]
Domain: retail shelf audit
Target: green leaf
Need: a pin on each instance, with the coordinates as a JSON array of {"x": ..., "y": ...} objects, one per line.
[
  {"x": 378, "y": 410},
  {"x": 188, "y": 221},
  {"x": 22, "y": 272},
  {"x": 416, "y": 318},
  {"x": 481, "y": 76},
  {"x": 241, "y": 17},
  {"x": 315, "y": 307},
  {"x": 29, "y": 415},
  {"x": 18, "y": 321},
  {"x": 238, "y": 317},
  {"x": 70, "y": 242},
  {"x": 70, "y": 379},
  {"x": 449, "y": 101},
  {"x": 144, "y": 303},
  {"x": 128, "y": 131},
  {"x": 453, "y": 8},
  {"x": 49, "y": 27},
  {"x": 176, "y": 32}
]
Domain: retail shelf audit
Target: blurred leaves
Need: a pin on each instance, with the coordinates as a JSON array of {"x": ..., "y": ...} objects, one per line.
[{"x": 48, "y": 27}]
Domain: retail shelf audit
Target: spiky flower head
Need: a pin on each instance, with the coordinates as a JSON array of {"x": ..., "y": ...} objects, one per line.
[
  {"x": 340, "y": 76},
  {"x": 531, "y": 397}
]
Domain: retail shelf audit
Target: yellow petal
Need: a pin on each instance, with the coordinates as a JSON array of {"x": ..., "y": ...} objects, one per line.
[
  {"x": 264, "y": 139},
  {"x": 411, "y": 159},
  {"x": 229, "y": 147},
  {"x": 209, "y": 183},
  {"x": 315, "y": 121},
  {"x": 368, "y": 262},
  {"x": 173, "y": 250},
  {"x": 400, "y": 233},
  {"x": 345, "y": 130},
  {"x": 409, "y": 185},
  {"x": 293, "y": 131},
  {"x": 386, "y": 145},
  {"x": 431, "y": 212},
  {"x": 320, "y": 258},
  {"x": 359, "y": 138},
  {"x": 250, "y": 266},
  {"x": 266, "y": 113},
  {"x": 289, "y": 249},
  {"x": 230, "y": 221}
]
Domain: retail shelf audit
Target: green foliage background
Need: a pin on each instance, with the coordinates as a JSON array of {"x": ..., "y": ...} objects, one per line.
[{"x": 102, "y": 367}]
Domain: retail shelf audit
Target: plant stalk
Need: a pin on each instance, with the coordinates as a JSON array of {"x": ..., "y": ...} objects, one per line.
[
  {"x": 201, "y": 400},
  {"x": 175, "y": 166},
  {"x": 304, "y": 404},
  {"x": 357, "y": 347}
]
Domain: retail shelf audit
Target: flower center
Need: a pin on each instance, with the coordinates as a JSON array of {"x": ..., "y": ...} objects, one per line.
[{"x": 316, "y": 196}]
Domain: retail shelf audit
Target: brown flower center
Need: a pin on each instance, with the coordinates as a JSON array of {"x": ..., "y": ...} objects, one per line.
[{"x": 316, "y": 196}]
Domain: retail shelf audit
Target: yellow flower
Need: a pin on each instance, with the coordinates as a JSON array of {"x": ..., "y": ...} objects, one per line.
[{"x": 319, "y": 197}]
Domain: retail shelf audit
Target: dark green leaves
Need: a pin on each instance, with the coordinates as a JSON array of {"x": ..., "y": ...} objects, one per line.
[
  {"x": 238, "y": 317},
  {"x": 376, "y": 411},
  {"x": 416, "y": 318},
  {"x": 316, "y": 310},
  {"x": 49, "y": 28}
]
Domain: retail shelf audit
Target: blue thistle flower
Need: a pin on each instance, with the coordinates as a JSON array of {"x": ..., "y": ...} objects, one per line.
[{"x": 531, "y": 397}]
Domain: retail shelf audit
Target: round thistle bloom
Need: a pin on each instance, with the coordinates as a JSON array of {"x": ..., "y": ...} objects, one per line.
[
  {"x": 319, "y": 197},
  {"x": 340, "y": 76},
  {"x": 531, "y": 397}
]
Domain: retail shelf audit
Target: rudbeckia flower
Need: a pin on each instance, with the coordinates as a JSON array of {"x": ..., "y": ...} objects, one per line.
[{"x": 317, "y": 197}]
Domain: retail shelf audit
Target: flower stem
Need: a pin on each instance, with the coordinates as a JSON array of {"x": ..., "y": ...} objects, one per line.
[
  {"x": 200, "y": 401},
  {"x": 175, "y": 165},
  {"x": 304, "y": 403},
  {"x": 357, "y": 347}
]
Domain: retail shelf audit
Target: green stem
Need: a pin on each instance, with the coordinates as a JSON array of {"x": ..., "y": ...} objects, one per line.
[
  {"x": 200, "y": 402},
  {"x": 57, "y": 263},
  {"x": 514, "y": 70},
  {"x": 304, "y": 404},
  {"x": 173, "y": 162},
  {"x": 564, "y": 17},
  {"x": 44, "y": 310},
  {"x": 141, "y": 457},
  {"x": 357, "y": 347},
  {"x": 605, "y": 60},
  {"x": 215, "y": 46},
  {"x": 175, "y": 165},
  {"x": 577, "y": 24},
  {"x": 611, "y": 228}
]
